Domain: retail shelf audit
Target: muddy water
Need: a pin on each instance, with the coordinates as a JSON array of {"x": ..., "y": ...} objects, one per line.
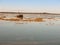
[{"x": 46, "y": 32}]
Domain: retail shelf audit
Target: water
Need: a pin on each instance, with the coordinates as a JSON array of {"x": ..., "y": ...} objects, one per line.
[{"x": 46, "y": 32}]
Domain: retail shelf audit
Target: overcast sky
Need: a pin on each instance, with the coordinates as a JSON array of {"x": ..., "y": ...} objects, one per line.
[{"x": 30, "y": 5}]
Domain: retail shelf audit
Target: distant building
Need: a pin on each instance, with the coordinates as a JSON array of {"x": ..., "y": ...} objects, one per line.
[{"x": 20, "y": 16}]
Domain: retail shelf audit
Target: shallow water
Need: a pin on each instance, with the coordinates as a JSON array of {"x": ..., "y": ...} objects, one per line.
[{"x": 46, "y": 32}]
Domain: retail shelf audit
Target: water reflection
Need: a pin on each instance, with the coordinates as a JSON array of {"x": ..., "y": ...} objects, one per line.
[
  {"x": 30, "y": 31},
  {"x": 48, "y": 21}
]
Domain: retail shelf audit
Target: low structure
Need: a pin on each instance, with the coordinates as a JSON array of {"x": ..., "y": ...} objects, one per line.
[
  {"x": 1, "y": 17},
  {"x": 20, "y": 16}
]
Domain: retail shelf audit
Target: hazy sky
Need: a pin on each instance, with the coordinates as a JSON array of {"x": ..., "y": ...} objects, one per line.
[{"x": 30, "y": 5}]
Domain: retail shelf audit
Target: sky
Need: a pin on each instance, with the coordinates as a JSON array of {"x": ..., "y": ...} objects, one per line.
[{"x": 52, "y": 6}]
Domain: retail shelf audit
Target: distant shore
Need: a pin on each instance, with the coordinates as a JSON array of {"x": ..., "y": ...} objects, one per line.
[{"x": 28, "y": 13}]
